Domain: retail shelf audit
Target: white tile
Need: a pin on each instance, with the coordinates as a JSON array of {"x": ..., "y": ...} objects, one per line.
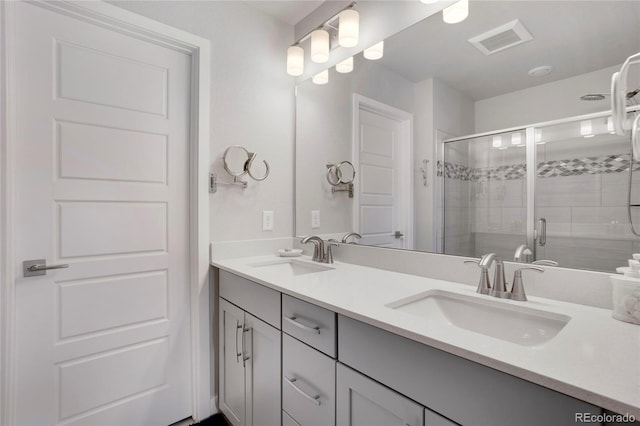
[{"x": 568, "y": 191}]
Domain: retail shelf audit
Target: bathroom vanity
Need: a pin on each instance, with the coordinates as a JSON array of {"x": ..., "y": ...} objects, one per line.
[{"x": 303, "y": 343}]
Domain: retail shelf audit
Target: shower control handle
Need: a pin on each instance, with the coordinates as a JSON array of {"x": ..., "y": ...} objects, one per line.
[{"x": 542, "y": 232}]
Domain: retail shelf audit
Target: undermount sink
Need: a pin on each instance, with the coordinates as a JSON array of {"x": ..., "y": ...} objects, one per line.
[
  {"x": 522, "y": 325},
  {"x": 291, "y": 267}
]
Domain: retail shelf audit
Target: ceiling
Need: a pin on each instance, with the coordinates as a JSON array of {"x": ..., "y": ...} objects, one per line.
[
  {"x": 574, "y": 37},
  {"x": 288, "y": 11}
]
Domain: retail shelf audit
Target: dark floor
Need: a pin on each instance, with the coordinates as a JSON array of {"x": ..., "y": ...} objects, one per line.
[{"x": 215, "y": 420}]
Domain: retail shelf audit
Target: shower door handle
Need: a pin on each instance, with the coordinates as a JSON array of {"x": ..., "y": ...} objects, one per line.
[{"x": 542, "y": 231}]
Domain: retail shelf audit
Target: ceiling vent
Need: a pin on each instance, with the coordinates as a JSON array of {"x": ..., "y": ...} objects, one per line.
[{"x": 501, "y": 38}]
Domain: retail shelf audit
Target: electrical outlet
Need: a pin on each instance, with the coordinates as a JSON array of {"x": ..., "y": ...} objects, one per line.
[
  {"x": 267, "y": 220},
  {"x": 315, "y": 219}
]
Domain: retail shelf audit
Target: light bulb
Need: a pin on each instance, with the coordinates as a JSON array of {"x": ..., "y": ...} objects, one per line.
[
  {"x": 345, "y": 66},
  {"x": 457, "y": 12},
  {"x": 321, "y": 77},
  {"x": 586, "y": 130},
  {"x": 319, "y": 46},
  {"x": 497, "y": 141},
  {"x": 295, "y": 60},
  {"x": 374, "y": 52},
  {"x": 516, "y": 138},
  {"x": 610, "y": 128},
  {"x": 348, "y": 28}
]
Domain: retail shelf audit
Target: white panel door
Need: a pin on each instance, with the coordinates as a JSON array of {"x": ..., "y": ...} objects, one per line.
[
  {"x": 102, "y": 131},
  {"x": 380, "y": 206}
]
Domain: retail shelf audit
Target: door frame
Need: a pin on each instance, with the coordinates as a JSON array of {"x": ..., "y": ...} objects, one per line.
[
  {"x": 198, "y": 48},
  {"x": 406, "y": 155}
]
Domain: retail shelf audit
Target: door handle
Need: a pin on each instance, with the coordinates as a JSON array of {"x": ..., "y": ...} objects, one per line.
[
  {"x": 238, "y": 354},
  {"x": 245, "y": 357},
  {"x": 37, "y": 267},
  {"x": 398, "y": 234},
  {"x": 542, "y": 231}
]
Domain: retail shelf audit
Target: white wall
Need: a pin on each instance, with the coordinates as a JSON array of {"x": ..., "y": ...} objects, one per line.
[
  {"x": 551, "y": 101},
  {"x": 323, "y": 134},
  {"x": 252, "y": 104},
  {"x": 438, "y": 107}
]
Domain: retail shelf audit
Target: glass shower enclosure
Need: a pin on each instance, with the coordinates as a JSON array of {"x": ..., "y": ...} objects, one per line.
[{"x": 559, "y": 188}]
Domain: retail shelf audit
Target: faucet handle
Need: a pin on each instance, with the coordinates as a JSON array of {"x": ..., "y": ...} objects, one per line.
[
  {"x": 484, "y": 286},
  {"x": 499, "y": 280},
  {"x": 328, "y": 257},
  {"x": 517, "y": 290}
]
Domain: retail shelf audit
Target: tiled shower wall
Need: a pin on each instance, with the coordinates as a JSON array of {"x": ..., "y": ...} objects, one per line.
[{"x": 581, "y": 190}]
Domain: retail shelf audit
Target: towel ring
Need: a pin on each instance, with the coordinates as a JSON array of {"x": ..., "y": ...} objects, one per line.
[
  {"x": 247, "y": 167},
  {"x": 353, "y": 171}
]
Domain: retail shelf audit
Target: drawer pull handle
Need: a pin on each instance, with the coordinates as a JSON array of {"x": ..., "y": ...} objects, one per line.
[
  {"x": 238, "y": 353},
  {"x": 314, "y": 399},
  {"x": 292, "y": 320}
]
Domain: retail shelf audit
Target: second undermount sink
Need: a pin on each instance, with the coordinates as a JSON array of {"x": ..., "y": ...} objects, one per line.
[
  {"x": 518, "y": 324},
  {"x": 291, "y": 267}
]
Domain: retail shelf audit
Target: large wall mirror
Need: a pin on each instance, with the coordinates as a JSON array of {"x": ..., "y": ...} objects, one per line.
[{"x": 484, "y": 136}]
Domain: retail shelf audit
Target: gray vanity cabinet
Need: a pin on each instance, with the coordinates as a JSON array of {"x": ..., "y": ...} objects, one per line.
[
  {"x": 361, "y": 401},
  {"x": 461, "y": 390},
  {"x": 249, "y": 358}
]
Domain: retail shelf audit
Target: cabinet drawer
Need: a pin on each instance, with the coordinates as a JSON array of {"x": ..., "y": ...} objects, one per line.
[
  {"x": 254, "y": 298},
  {"x": 308, "y": 384},
  {"x": 309, "y": 323},
  {"x": 287, "y": 420}
]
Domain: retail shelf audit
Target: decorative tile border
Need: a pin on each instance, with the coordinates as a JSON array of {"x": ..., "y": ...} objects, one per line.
[{"x": 575, "y": 167}]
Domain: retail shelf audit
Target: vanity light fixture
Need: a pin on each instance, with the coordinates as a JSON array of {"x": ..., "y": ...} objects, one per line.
[
  {"x": 457, "y": 12},
  {"x": 345, "y": 66},
  {"x": 320, "y": 46},
  {"x": 344, "y": 27},
  {"x": 586, "y": 129},
  {"x": 374, "y": 52},
  {"x": 537, "y": 137},
  {"x": 295, "y": 60},
  {"x": 321, "y": 78},
  {"x": 348, "y": 28}
]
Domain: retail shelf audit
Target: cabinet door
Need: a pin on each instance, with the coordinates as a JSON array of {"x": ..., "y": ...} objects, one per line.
[
  {"x": 262, "y": 346},
  {"x": 232, "y": 377},
  {"x": 361, "y": 401}
]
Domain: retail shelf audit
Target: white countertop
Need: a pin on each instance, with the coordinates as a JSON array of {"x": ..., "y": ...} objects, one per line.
[{"x": 593, "y": 358}]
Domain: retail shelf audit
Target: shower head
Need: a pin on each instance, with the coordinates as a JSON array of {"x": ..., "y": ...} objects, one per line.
[{"x": 594, "y": 96}]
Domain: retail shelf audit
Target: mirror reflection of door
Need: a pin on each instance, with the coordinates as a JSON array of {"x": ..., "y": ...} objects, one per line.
[{"x": 382, "y": 156}]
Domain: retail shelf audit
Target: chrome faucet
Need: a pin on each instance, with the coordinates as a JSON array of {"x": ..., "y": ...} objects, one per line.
[
  {"x": 499, "y": 288},
  {"x": 319, "y": 253},
  {"x": 523, "y": 254},
  {"x": 318, "y": 247},
  {"x": 349, "y": 235}
]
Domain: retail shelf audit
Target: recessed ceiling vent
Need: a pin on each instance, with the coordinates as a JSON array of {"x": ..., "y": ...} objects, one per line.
[{"x": 501, "y": 38}]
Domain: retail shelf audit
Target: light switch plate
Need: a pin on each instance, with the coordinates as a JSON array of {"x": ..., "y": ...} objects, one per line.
[
  {"x": 267, "y": 220},
  {"x": 315, "y": 219}
]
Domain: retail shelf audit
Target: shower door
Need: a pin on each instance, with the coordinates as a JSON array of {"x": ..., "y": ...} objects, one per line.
[
  {"x": 581, "y": 184},
  {"x": 485, "y": 203}
]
